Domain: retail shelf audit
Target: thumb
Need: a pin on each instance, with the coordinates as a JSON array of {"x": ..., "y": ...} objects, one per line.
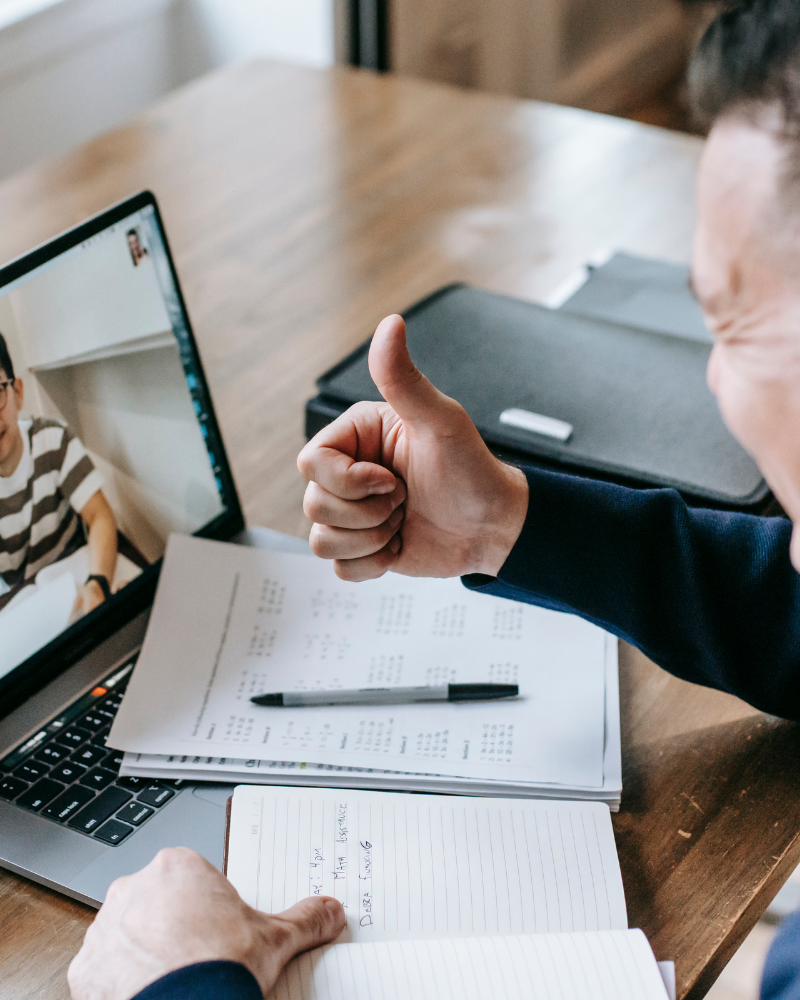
[
  {"x": 310, "y": 923},
  {"x": 400, "y": 382}
]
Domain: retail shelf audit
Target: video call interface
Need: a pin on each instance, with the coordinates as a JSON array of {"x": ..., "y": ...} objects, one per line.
[{"x": 104, "y": 448}]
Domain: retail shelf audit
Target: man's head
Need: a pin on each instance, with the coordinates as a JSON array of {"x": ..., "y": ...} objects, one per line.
[
  {"x": 135, "y": 246},
  {"x": 745, "y": 80},
  {"x": 11, "y": 444}
]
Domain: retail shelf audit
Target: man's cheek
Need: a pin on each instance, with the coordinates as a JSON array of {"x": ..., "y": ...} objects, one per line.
[
  {"x": 734, "y": 411},
  {"x": 745, "y": 409},
  {"x": 712, "y": 370}
]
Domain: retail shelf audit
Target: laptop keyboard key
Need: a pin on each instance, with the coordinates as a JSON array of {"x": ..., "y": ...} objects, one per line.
[
  {"x": 10, "y": 788},
  {"x": 98, "y": 778},
  {"x": 68, "y": 772},
  {"x": 68, "y": 803},
  {"x": 72, "y": 737},
  {"x": 93, "y": 721},
  {"x": 135, "y": 813},
  {"x": 100, "y": 808},
  {"x": 133, "y": 782},
  {"x": 51, "y": 754},
  {"x": 40, "y": 794},
  {"x": 31, "y": 770},
  {"x": 113, "y": 832},
  {"x": 155, "y": 795},
  {"x": 88, "y": 755},
  {"x": 99, "y": 738},
  {"x": 113, "y": 761}
]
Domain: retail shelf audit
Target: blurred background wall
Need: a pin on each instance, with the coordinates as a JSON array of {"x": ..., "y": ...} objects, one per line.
[
  {"x": 70, "y": 69},
  {"x": 600, "y": 54}
]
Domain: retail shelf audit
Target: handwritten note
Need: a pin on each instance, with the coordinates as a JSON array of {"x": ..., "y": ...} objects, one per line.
[{"x": 417, "y": 865}]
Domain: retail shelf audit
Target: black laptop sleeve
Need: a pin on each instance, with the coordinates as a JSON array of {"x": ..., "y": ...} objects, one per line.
[{"x": 637, "y": 400}]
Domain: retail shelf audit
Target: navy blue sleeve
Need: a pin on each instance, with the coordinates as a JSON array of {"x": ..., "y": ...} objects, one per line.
[
  {"x": 708, "y": 595},
  {"x": 204, "y": 981},
  {"x": 781, "y": 977}
]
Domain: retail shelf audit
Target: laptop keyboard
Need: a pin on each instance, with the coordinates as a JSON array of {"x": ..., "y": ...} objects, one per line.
[{"x": 66, "y": 772}]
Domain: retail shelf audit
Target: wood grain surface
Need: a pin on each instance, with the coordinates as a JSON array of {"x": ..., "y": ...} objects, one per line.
[{"x": 302, "y": 207}]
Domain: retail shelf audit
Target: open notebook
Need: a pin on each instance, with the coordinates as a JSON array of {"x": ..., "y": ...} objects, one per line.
[{"x": 446, "y": 896}]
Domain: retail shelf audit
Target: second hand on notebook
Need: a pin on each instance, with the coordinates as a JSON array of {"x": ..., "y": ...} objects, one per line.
[{"x": 388, "y": 696}]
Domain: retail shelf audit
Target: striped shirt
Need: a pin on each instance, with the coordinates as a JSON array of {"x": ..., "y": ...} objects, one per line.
[{"x": 41, "y": 500}]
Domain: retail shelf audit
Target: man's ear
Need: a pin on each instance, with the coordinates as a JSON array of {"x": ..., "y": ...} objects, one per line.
[{"x": 19, "y": 392}]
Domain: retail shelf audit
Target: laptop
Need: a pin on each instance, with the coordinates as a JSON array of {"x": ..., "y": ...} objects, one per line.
[{"x": 108, "y": 442}]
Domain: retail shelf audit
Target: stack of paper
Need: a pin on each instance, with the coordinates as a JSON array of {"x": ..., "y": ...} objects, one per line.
[{"x": 231, "y": 622}]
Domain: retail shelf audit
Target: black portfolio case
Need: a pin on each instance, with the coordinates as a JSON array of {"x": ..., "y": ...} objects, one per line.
[{"x": 636, "y": 398}]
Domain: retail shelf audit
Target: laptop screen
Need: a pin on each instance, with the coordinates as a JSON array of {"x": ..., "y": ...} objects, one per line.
[{"x": 108, "y": 441}]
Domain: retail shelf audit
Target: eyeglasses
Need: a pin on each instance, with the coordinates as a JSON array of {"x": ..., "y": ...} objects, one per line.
[{"x": 4, "y": 392}]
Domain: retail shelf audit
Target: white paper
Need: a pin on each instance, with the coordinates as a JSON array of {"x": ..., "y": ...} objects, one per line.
[
  {"x": 605, "y": 965},
  {"x": 415, "y": 865},
  {"x": 42, "y": 610},
  {"x": 32, "y": 623},
  {"x": 667, "y": 970},
  {"x": 237, "y": 770},
  {"x": 230, "y": 622}
]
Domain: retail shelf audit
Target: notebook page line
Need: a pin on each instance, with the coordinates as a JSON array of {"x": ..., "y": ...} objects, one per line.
[
  {"x": 535, "y": 895},
  {"x": 603, "y": 870}
]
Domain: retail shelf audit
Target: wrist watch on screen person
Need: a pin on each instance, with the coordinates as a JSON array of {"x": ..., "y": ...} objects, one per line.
[{"x": 102, "y": 583}]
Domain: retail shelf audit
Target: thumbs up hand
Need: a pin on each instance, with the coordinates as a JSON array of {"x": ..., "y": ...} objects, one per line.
[{"x": 409, "y": 484}]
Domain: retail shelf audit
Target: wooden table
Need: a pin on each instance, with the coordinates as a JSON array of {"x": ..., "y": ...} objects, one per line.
[{"x": 302, "y": 207}]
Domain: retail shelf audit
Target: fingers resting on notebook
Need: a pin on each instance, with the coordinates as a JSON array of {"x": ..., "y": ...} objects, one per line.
[
  {"x": 180, "y": 910},
  {"x": 408, "y": 484}
]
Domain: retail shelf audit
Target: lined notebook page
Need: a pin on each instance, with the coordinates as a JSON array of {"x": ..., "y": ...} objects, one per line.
[
  {"x": 605, "y": 965},
  {"x": 428, "y": 865}
]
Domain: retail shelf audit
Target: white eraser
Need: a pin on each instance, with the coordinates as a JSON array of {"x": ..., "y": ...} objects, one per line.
[{"x": 537, "y": 423}]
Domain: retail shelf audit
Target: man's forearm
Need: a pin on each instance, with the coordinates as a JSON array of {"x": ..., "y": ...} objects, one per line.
[
  {"x": 710, "y": 596},
  {"x": 102, "y": 541},
  {"x": 103, "y": 550}
]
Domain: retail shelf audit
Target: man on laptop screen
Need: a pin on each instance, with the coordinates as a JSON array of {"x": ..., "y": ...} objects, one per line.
[{"x": 68, "y": 490}]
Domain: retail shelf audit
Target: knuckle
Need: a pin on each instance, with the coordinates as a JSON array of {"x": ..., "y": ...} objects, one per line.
[
  {"x": 358, "y": 570},
  {"x": 280, "y": 932},
  {"x": 364, "y": 408},
  {"x": 318, "y": 544},
  {"x": 346, "y": 571},
  {"x": 314, "y": 922},
  {"x": 186, "y": 857},
  {"x": 304, "y": 463},
  {"x": 117, "y": 891},
  {"x": 75, "y": 975},
  {"x": 313, "y": 507},
  {"x": 170, "y": 859},
  {"x": 382, "y": 534},
  {"x": 165, "y": 858},
  {"x": 382, "y": 507}
]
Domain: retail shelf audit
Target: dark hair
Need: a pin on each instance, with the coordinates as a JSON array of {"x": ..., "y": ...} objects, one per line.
[
  {"x": 5, "y": 358},
  {"x": 748, "y": 60}
]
